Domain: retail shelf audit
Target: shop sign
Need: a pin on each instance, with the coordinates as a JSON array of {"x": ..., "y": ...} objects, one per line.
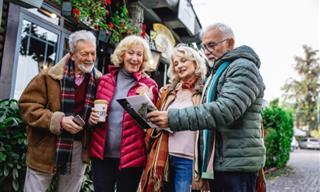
[{"x": 186, "y": 15}]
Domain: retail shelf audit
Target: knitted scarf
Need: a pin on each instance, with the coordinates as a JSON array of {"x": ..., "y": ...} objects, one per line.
[
  {"x": 64, "y": 143},
  {"x": 208, "y": 136}
]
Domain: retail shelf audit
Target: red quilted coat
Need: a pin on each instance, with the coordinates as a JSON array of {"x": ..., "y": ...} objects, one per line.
[{"x": 132, "y": 147}]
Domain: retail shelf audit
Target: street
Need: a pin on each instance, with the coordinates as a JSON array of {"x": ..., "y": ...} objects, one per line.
[{"x": 304, "y": 177}]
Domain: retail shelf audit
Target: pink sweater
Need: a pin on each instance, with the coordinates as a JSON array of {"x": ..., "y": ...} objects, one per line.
[{"x": 181, "y": 143}]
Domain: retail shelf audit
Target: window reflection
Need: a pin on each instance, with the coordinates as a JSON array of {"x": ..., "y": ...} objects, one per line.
[{"x": 38, "y": 50}]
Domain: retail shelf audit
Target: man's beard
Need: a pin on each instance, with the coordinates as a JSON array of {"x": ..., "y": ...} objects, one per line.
[
  {"x": 211, "y": 62},
  {"x": 85, "y": 69}
]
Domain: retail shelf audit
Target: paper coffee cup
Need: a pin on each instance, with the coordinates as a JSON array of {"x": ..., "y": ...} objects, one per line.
[{"x": 101, "y": 106}]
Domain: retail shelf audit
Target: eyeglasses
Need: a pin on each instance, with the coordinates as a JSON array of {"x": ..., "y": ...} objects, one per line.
[{"x": 211, "y": 45}]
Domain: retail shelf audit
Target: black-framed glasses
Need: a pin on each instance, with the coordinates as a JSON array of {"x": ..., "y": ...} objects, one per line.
[{"x": 211, "y": 45}]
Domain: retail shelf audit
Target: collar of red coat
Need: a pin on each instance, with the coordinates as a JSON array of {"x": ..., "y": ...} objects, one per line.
[{"x": 114, "y": 71}]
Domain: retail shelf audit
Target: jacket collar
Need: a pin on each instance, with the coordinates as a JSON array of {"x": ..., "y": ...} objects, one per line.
[{"x": 56, "y": 72}]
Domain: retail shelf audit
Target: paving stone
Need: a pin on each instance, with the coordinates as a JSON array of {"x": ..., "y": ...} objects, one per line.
[{"x": 305, "y": 176}]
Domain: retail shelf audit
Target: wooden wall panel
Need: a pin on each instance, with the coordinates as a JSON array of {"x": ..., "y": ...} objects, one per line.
[{"x": 9, "y": 47}]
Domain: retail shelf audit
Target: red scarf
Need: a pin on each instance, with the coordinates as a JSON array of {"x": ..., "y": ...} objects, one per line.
[{"x": 190, "y": 83}]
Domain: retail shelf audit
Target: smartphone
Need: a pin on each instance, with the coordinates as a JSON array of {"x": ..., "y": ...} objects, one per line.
[{"x": 78, "y": 120}]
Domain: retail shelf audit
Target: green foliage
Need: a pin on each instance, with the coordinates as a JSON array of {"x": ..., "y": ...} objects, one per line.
[
  {"x": 120, "y": 25},
  {"x": 278, "y": 124},
  {"x": 112, "y": 17},
  {"x": 12, "y": 147},
  {"x": 87, "y": 185},
  {"x": 13, "y": 142}
]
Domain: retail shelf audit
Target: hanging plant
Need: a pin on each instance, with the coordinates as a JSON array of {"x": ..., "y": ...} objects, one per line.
[
  {"x": 120, "y": 25},
  {"x": 104, "y": 15}
]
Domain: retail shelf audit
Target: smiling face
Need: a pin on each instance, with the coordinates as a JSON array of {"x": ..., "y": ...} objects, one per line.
[
  {"x": 184, "y": 68},
  {"x": 133, "y": 58},
  {"x": 84, "y": 56}
]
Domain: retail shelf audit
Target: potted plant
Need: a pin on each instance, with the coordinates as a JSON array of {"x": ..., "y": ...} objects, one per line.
[{"x": 109, "y": 18}]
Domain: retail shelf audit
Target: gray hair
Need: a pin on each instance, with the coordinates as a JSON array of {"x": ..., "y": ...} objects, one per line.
[
  {"x": 82, "y": 35},
  {"x": 189, "y": 54},
  {"x": 223, "y": 28},
  {"x": 125, "y": 44}
]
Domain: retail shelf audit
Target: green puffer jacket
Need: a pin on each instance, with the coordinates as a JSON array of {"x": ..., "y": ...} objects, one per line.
[{"x": 234, "y": 115}]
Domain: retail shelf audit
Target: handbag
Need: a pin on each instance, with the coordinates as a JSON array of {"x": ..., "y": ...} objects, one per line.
[{"x": 261, "y": 181}]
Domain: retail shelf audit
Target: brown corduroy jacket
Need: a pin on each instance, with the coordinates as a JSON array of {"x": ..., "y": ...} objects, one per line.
[{"x": 40, "y": 109}]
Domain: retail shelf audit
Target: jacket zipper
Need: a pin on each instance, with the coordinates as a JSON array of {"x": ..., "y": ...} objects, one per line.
[
  {"x": 106, "y": 123},
  {"x": 220, "y": 147},
  {"x": 137, "y": 84}
]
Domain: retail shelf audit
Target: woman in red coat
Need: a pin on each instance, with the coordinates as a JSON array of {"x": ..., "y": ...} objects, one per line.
[{"x": 117, "y": 148}]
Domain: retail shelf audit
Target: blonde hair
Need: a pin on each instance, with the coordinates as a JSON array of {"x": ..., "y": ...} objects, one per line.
[
  {"x": 125, "y": 44},
  {"x": 191, "y": 55}
]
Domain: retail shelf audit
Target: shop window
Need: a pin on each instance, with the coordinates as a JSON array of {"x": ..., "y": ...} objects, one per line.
[{"x": 37, "y": 51}]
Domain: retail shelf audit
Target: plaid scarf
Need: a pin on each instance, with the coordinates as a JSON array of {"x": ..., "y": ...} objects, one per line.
[
  {"x": 64, "y": 142},
  {"x": 156, "y": 170}
]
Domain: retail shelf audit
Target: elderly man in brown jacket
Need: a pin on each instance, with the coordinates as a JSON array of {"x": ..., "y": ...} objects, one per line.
[{"x": 57, "y": 142}]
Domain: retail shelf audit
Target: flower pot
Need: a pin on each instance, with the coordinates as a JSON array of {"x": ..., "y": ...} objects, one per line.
[
  {"x": 103, "y": 36},
  {"x": 66, "y": 9},
  {"x": 28, "y": 3}
]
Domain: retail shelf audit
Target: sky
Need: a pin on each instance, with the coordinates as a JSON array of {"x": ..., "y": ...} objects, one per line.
[{"x": 275, "y": 29}]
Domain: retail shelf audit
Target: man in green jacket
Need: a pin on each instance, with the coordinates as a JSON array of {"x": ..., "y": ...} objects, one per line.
[{"x": 231, "y": 109}]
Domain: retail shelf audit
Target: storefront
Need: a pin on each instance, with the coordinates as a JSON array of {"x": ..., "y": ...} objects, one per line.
[{"x": 35, "y": 38}]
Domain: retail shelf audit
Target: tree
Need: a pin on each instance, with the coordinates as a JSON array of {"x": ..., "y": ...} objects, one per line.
[{"x": 303, "y": 93}]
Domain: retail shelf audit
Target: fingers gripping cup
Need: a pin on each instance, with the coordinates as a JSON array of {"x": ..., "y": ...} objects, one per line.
[{"x": 101, "y": 106}]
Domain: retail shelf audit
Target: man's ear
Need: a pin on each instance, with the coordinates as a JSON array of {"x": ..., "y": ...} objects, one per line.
[
  {"x": 230, "y": 43},
  {"x": 71, "y": 56}
]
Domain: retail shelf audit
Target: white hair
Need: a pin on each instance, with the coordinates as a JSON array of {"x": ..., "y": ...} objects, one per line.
[
  {"x": 223, "y": 28},
  {"x": 189, "y": 54},
  {"x": 82, "y": 35},
  {"x": 125, "y": 44}
]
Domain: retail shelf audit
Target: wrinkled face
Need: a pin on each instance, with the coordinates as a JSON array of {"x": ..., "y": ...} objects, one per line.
[
  {"x": 214, "y": 45},
  {"x": 184, "y": 68},
  {"x": 133, "y": 58},
  {"x": 84, "y": 56}
]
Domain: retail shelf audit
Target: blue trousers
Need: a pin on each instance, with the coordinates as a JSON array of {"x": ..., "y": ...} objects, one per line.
[{"x": 180, "y": 174}]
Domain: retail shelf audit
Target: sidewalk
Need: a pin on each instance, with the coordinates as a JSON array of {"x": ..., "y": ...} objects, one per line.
[{"x": 305, "y": 176}]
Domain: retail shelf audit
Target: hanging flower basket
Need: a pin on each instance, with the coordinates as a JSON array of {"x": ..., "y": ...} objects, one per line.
[
  {"x": 109, "y": 17},
  {"x": 103, "y": 36}
]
